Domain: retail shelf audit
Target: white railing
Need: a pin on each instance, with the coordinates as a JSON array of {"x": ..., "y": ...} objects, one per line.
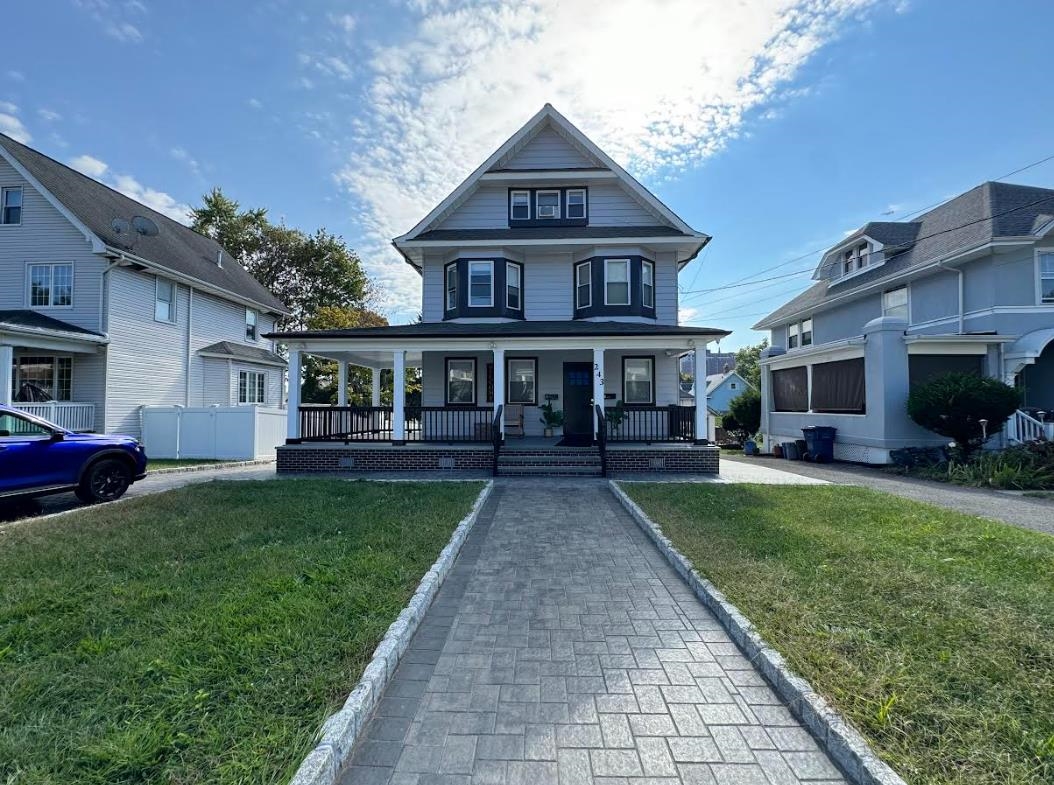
[
  {"x": 66, "y": 414},
  {"x": 1023, "y": 427}
]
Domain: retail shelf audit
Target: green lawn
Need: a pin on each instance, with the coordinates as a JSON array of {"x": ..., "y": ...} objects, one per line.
[
  {"x": 203, "y": 634},
  {"x": 170, "y": 463},
  {"x": 933, "y": 631}
]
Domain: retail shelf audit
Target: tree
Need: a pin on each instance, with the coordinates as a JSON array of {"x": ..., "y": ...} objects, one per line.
[
  {"x": 320, "y": 380},
  {"x": 954, "y": 404},
  {"x": 748, "y": 362},
  {"x": 746, "y": 409}
]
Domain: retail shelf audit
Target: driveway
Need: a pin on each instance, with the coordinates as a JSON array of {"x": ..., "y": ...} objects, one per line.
[
  {"x": 1028, "y": 513},
  {"x": 564, "y": 649}
]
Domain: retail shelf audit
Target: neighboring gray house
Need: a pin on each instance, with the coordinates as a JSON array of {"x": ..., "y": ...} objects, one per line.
[
  {"x": 967, "y": 286},
  {"x": 104, "y": 319}
]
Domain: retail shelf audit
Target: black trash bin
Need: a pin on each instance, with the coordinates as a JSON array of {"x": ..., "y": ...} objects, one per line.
[{"x": 820, "y": 441}]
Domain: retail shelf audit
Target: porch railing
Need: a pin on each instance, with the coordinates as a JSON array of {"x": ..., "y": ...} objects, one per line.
[
  {"x": 495, "y": 437},
  {"x": 374, "y": 424},
  {"x": 1023, "y": 427},
  {"x": 602, "y": 439},
  {"x": 672, "y": 423},
  {"x": 72, "y": 416}
]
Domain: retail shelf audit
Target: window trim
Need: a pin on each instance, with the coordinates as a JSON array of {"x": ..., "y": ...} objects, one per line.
[
  {"x": 629, "y": 281},
  {"x": 519, "y": 285},
  {"x": 559, "y": 204},
  {"x": 468, "y": 272},
  {"x": 651, "y": 359},
  {"x": 447, "y": 291},
  {"x": 54, "y": 358},
  {"x": 650, "y": 267},
  {"x": 585, "y": 204},
  {"x": 446, "y": 380},
  {"x": 907, "y": 301},
  {"x": 255, "y": 326},
  {"x": 21, "y": 203},
  {"x": 249, "y": 373},
  {"x": 793, "y": 335},
  {"x": 588, "y": 265},
  {"x": 1039, "y": 275},
  {"x": 802, "y": 331},
  {"x": 51, "y": 285},
  {"x": 508, "y": 380},
  {"x": 171, "y": 303},
  {"x": 512, "y": 196}
]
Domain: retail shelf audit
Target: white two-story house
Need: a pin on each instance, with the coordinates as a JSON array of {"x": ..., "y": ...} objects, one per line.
[
  {"x": 966, "y": 287},
  {"x": 107, "y": 306},
  {"x": 549, "y": 276}
]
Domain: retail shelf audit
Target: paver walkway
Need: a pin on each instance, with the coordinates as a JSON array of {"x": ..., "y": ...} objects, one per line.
[{"x": 564, "y": 649}]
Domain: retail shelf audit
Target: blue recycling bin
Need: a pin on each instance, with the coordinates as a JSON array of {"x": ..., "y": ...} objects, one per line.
[{"x": 819, "y": 440}]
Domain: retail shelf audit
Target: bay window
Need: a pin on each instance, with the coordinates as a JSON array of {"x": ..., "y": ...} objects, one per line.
[
  {"x": 616, "y": 282},
  {"x": 451, "y": 286},
  {"x": 461, "y": 381},
  {"x": 638, "y": 380},
  {"x": 521, "y": 379},
  {"x": 513, "y": 286},
  {"x": 480, "y": 284},
  {"x": 583, "y": 285},
  {"x": 647, "y": 284}
]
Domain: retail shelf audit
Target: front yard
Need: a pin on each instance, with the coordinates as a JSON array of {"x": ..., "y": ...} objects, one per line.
[
  {"x": 932, "y": 630},
  {"x": 203, "y": 634}
]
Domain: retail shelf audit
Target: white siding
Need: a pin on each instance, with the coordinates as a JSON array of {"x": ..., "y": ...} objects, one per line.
[
  {"x": 548, "y": 150},
  {"x": 45, "y": 235}
]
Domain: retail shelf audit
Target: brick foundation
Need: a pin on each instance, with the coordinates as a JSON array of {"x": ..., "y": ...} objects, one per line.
[{"x": 697, "y": 460}]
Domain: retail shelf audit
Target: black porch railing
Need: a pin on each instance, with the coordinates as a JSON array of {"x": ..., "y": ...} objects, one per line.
[
  {"x": 374, "y": 424},
  {"x": 601, "y": 437},
  {"x": 672, "y": 423},
  {"x": 449, "y": 424},
  {"x": 495, "y": 436}
]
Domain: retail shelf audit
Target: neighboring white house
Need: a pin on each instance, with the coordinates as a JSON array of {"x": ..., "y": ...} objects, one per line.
[
  {"x": 107, "y": 306},
  {"x": 967, "y": 286},
  {"x": 549, "y": 275}
]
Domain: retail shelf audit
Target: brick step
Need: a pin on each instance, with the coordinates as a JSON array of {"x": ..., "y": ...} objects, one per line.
[
  {"x": 527, "y": 470},
  {"x": 539, "y": 460}
]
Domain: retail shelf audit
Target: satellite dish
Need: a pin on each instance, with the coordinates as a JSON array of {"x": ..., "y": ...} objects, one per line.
[
  {"x": 120, "y": 226},
  {"x": 144, "y": 226}
]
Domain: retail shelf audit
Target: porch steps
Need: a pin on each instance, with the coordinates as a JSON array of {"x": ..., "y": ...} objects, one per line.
[{"x": 554, "y": 462}]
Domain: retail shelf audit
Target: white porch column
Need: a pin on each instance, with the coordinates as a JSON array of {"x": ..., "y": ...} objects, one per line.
[
  {"x": 7, "y": 361},
  {"x": 293, "y": 405},
  {"x": 702, "y": 402},
  {"x": 598, "y": 384},
  {"x": 375, "y": 386},
  {"x": 499, "y": 385},
  {"x": 399, "y": 398},
  {"x": 342, "y": 383}
]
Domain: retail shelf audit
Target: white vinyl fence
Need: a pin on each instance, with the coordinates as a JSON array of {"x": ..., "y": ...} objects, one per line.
[{"x": 213, "y": 432}]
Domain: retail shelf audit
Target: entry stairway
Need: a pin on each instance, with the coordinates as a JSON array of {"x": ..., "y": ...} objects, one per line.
[{"x": 550, "y": 462}]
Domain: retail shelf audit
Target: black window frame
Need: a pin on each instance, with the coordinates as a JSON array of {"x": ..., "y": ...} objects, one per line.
[
  {"x": 598, "y": 282},
  {"x": 446, "y": 380},
  {"x": 499, "y": 307},
  {"x": 650, "y": 358},
  {"x": 830, "y": 370},
  {"x": 562, "y": 218}
]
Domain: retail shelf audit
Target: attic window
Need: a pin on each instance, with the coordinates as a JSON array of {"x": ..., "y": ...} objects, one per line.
[
  {"x": 547, "y": 205},
  {"x": 576, "y": 203},
  {"x": 855, "y": 258},
  {"x": 520, "y": 205}
]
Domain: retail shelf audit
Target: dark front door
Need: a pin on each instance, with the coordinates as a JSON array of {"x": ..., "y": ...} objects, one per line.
[{"x": 578, "y": 393}]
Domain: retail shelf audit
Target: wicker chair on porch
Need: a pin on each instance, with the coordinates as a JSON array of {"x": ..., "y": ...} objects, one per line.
[{"x": 513, "y": 416}]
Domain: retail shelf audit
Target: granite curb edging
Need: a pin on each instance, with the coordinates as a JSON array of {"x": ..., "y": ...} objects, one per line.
[
  {"x": 204, "y": 467},
  {"x": 837, "y": 736},
  {"x": 325, "y": 763}
]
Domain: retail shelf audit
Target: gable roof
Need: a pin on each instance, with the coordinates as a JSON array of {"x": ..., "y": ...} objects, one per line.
[
  {"x": 548, "y": 118},
  {"x": 242, "y": 351},
  {"x": 176, "y": 248},
  {"x": 716, "y": 380},
  {"x": 991, "y": 211}
]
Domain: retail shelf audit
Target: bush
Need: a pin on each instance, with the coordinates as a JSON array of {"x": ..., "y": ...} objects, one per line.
[
  {"x": 954, "y": 404},
  {"x": 733, "y": 428},
  {"x": 1025, "y": 467},
  {"x": 746, "y": 410}
]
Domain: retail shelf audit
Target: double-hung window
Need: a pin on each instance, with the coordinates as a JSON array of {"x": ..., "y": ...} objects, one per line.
[
  {"x": 806, "y": 332},
  {"x": 647, "y": 284},
  {"x": 895, "y": 302},
  {"x": 638, "y": 380},
  {"x": 513, "y": 286},
  {"x": 520, "y": 205},
  {"x": 164, "y": 300},
  {"x": 547, "y": 205},
  {"x": 616, "y": 282},
  {"x": 522, "y": 373},
  {"x": 250, "y": 324},
  {"x": 461, "y": 381},
  {"x": 583, "y": 285},
  {"x": 252, "y": 387},
  {"x": 451, "y": 286},
  {"x": 11, "y": 206},
  {"x": 799, "y": 334},
  {"x": 576, "y": 203},
  {"x": 481, "y": 284},
  {"x": 51, "y": 285},
  {"x": 792, "y": 335},
  {"x": 1046, "y": 277}
]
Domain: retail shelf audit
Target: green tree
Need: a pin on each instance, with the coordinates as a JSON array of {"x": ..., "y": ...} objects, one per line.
[
  {"x": 745, "y": 408},
  {"x": 748, "y": 362},
  {"x": 954, "y": 404}
]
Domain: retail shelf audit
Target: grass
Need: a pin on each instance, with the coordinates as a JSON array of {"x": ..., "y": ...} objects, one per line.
[
  {"x": 172, "y": 463},
  {"x": 932, "y": 630},
  {"x": 203, "y": 634}
]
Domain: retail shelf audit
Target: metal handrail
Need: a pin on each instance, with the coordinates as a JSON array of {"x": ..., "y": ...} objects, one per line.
[
  {"x": 602, "y": 439},
  {"x": 495, "y": 434}
]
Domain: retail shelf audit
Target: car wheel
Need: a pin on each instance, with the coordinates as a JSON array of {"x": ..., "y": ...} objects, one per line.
[{"x": 105, "y": 481}]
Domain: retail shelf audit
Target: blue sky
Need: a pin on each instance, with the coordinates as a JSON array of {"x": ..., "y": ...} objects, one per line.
[{"x": 774, "y": 125}]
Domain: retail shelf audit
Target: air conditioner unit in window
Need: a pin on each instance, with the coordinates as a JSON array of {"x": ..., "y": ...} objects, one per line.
[{"x": 547, "y": 211}]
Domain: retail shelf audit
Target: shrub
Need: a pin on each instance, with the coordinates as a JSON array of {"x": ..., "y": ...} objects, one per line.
[
  {"x": 1025, "y": 467},
  {"x": 954, "y": 404},
  {"x": 733, "y": 428},
  {"x": 746, "y": 409}
]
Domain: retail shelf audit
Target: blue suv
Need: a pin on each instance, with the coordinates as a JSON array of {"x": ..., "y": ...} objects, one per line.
[{"x": 38, "y": 458}]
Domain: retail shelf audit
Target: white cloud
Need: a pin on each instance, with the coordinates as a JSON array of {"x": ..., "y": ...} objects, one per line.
[
  {"x": 660, "y": 86},
  {"x": 345, "y": 22},
  {"x": 181, "y": 155},
  {"x": 113, "y": 17},
  {"x": 124, "y": 31},
  {"x": 16, "y": 76},
  {"x": 8, "y": 108},
  {"x": 132, "y": 188},
  {"x": 48, "y": 115},
  {"x": 255, "y": 103},
  {"x": 12, "y": 126}
]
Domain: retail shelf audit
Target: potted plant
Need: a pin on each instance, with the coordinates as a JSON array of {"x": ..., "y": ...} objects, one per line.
[
  {"x": 615, "y": 417},
  {"x": 551, "y": 418}
]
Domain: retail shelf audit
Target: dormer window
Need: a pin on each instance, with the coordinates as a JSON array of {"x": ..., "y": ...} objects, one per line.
[
  {"x": 854, "y": 259},
  {"x": 520, "y": 205},
  {"x": 547, "y": 205},
  {"x": 576, "y": 203},
  {"x": 11, "y": 206}
]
